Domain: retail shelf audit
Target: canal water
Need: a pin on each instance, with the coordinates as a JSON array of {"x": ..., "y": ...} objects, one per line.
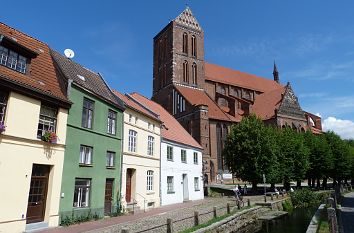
[{"x": 297, "y": 222}]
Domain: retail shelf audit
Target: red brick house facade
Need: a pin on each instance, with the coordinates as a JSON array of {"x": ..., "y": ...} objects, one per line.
[{"x": 206, "y": 98}]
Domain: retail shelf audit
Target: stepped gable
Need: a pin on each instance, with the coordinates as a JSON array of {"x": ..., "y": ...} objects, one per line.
[
  {"x": 186, "y": 18},
  {"x": 171, "y": 130},
  {"x": 232, "y": 77},
  {"x": 199, "y": 97},
  {"x": 41, "y": 76},
  {"x": 290, "y": 105},
  {"x": 134, "y": 104},
  {"x": 85, "y": 78},
  {"x": 266, "y": 103}
]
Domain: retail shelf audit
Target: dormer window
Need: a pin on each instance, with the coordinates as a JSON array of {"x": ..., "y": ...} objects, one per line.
[{"x": 13, "y": 60}]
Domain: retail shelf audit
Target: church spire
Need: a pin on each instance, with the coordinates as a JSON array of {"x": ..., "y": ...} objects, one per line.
[{"x": 275, "y": 73}]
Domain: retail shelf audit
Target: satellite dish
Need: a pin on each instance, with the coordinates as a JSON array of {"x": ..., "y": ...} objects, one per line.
[{"x": 69, "y": 53}]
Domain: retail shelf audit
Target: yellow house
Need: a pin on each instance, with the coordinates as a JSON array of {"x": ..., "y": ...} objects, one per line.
[
  {"x": 33, "y": 116},
  {"x": 141, "y": 156}
]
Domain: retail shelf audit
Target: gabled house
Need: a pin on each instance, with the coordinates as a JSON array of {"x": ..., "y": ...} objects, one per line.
[
  {"x": 92, "y": 163},
  {"x": 181, "y": 165},
  {"x": 33, "y": 117},
  {"x": 141, "y": 156}
]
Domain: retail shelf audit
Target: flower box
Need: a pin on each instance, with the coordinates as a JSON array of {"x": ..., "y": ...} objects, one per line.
[{"x": 50, "y": 137}]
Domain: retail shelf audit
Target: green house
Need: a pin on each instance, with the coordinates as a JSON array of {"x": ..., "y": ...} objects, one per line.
[{"x": 92, "y": 163}]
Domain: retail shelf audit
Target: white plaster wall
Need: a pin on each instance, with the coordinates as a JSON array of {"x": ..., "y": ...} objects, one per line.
[
  {"x": 140, "y": 161},
  {"x": 19, "y": 150},
  {"x": 176, "y": 169}
]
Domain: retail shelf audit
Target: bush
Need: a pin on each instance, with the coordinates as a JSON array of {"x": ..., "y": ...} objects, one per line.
[
  {"x": 287, "y": 206},
  {"x": 307, "y": 198}
]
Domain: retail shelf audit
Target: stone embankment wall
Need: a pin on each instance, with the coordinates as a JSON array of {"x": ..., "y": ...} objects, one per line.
[{"x": 244, "y": 221}]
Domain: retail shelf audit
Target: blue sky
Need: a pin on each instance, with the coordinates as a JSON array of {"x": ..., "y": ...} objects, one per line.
[{"x": 311, "y": 41}]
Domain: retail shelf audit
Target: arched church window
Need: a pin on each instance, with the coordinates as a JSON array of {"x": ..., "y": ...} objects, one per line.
[
  {"x": 194, "y": 46},
  {"x": 185, "y": 72},
  {"x": 194, "y": 73},
  {"x": 185, "y": 43}
]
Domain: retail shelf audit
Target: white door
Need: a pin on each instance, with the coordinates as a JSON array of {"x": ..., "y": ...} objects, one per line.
[{"x": 185, "y": 187}]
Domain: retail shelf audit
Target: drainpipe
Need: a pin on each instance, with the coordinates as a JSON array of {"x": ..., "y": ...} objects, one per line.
[
  {"x": 160, "y": 191},
  {"x": 121, "y": 163}
]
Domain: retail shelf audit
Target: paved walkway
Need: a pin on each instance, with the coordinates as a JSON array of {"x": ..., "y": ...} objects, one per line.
[
  {"x": 155, "y": 217},
  {"x": 347, "y": 213}
]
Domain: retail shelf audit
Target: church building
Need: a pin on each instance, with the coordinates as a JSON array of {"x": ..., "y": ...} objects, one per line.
[{"x": 207, "y": 99}]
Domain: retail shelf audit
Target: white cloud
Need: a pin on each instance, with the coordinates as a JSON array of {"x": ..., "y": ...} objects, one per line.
[{"x": 344, "y": 128}]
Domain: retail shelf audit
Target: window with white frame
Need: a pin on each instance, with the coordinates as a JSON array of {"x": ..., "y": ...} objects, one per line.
[
  {"x": 169, "y": 153},
  {"x": 149, "y": 180},
  {"x": 47, "y": 120},
  {"x": 87, "y": 113},
  {"x": 183, "y": 156},
  {"x": 3, "y": 102},
  {"x": 132, "y": 141},
  {"x": 136, "y": 120},
  {"x": 151, "y": 142},
  {"x": 110, "y": 159},
  {"x": 82, "y": 193},
  {"x": 111, "y": 122},
  {"x": 196, "y": 183},
  {"x": 85, "y": 155},
  {"x": 195, "y": 157},
  {"x": 13, "y": 60},
  {"x": 130, "y": 118},
  {"x": 170, "y": 188}
]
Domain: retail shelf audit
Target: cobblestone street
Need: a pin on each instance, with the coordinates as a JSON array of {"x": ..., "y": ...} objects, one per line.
[{"x": 158, "y": 217}]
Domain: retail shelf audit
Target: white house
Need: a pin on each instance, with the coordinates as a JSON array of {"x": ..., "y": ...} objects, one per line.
[{"x": 181, "y": 159}]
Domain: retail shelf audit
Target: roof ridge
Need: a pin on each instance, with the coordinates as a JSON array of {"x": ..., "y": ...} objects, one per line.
[
  {"x": 25, "y": 34},
  {"x": 146, "y": 108}
]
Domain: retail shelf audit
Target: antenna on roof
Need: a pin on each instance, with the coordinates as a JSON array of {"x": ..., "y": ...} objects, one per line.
[{"x": 69, "y": 53}]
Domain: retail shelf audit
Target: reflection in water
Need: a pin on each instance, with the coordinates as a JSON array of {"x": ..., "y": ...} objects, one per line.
[{"x": 297, "y": 222}]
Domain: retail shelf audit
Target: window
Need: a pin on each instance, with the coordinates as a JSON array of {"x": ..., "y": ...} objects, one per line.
[
  {"x": 183, "y": 156},
  {"x": 195, "y": 157},
  {"x": 170, "y": 184},
  {"x": 85, "y": 155},
  {"x": 136, "y": 120},
  {"x": 12, "y": 60},
  {"x": 149, "y": 126},
  {"x": 149, "y": 180},
  {"x": 3, "y": 101},
  {"x": 169, "y": 153},
  {"x": 194, "y": 46},
  {"x": 194, "y": 73},
  {"x": 196, "y": 183},
  {"x": 110, "y": 159},
  {"x": 185, "y": 72},
  {"x": 132, "y": 141},
  {"x": 150, "y": 145},
  {"x": 47, "y": 120},
  {"x": 111, "y": 125},
  {"x": 179, "y": 103},
  {"x": 130, "y": 118},
  {"x": 87, "y": 113},
  {"x": 185, "y": 43},
  {"x": 82, "y": 193}
]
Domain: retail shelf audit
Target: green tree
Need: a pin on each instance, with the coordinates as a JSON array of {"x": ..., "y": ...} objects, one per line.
[
  {"x": 251, "y": 151},
  {"x": 341, "y": 157},
  {"x": 293, "y": 156}
]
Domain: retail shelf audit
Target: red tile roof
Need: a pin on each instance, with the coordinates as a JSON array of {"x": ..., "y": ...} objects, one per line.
[
  {"x": 173, "y": 130},
  {"x": 133, "y": 104},
  {"x": 232, "y": 77},
  {"x": 42, "y": 75},
  {"x": 266, "y": 103},
  {"x": 199, "y": 97}
]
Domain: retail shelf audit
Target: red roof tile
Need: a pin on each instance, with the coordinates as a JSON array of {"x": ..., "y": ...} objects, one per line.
[
  {"x": 42, "y": 75},
  {"x": 173, "y": 130},
  {"x": 229, "y": 76},
  {"x": 266, "y": 103},
  {"x": 199, "y": 97},
  {"x": 131, "y": 103}
]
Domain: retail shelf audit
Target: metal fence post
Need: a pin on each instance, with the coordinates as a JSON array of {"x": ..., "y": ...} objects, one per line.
[
  {"x": 214, "y": 211},
  {"x": 271, "y": 197},
  {"x": 265, "y": 198},
  {"x": 125, "y": 230},
  {"x": 196, "y": 218},
  {"x": 228, "y": 208},
  {"x": 169, "y": 225},
  {"x": 248, "y": 202}
]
